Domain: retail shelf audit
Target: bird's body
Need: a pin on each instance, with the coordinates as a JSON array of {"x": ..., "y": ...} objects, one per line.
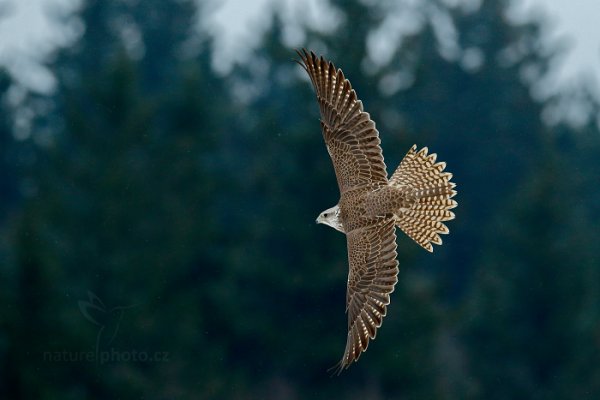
[{"x": 417, "y": 198}]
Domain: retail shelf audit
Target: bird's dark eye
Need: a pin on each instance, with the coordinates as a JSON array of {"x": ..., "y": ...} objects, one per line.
[{"x": 325, "y": 215}]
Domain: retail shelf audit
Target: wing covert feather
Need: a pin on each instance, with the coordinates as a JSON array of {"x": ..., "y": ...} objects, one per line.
[{"x": 371, "y": 279}]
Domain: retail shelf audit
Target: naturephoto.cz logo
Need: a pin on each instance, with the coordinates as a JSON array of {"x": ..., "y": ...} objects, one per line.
[
  {"x": 106, "y": 356},
  {"x": 107, "y": 320}
]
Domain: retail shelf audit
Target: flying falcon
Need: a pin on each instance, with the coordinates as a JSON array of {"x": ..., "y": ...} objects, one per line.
[{"x": 417, "y": 199}]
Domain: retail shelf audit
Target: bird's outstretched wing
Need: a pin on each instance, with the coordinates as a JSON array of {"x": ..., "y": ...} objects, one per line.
[
  {"x": 372, "y": 277},
  {"x": 350, "y": 135}
]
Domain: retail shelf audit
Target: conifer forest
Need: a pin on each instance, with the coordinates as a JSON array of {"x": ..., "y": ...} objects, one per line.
[{"x": 157, "y": 214}]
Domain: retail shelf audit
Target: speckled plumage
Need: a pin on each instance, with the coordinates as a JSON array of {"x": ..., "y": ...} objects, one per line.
[{"x": 417, "y": 199}]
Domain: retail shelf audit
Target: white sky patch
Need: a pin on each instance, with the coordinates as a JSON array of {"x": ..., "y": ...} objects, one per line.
[
  {"x": 28, "y": 34},
  {"x": 573, "y": 23},
  {"x": 239, "y": 25},
  {"x": 238, "y": 28}
]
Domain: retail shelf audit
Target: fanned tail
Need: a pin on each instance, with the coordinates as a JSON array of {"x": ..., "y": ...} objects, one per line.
[{"x": 432, "y": 197}]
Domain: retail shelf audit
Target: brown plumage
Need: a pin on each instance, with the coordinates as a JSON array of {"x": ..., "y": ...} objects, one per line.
[{"x": 417, "y": 199}]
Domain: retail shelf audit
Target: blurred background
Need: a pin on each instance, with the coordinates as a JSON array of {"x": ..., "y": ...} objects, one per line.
[{"x": 162, "y": 166}]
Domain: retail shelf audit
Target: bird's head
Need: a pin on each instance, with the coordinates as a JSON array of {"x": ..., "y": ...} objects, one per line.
[{"x": 331, "y": 217}]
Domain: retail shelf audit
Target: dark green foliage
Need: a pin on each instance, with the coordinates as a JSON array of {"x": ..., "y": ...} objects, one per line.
[
  {"x": 533, "y": 312},
  {"x": 158, "y": 208}
]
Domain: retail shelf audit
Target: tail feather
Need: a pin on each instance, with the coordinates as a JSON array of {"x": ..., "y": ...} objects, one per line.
[{"x": 433, "y": 192}]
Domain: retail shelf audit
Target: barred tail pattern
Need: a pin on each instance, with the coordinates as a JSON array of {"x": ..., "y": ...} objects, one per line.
[{"x": 433, "y": 192}]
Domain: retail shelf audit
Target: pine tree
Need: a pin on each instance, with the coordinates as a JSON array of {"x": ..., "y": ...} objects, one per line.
[
  {"x": 530, "y": 317},
  {"x": 7, "y": 176},
  {"x": 124, "y": 205}
]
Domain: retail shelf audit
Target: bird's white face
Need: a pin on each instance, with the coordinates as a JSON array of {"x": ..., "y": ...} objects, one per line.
[{"x": 331, "y": 217}]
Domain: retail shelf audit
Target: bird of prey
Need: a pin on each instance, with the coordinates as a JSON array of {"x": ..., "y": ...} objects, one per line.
[{"x": 417, "y": 199}]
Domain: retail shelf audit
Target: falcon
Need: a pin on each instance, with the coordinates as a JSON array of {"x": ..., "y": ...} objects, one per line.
[{"x": 417, "y": 198}]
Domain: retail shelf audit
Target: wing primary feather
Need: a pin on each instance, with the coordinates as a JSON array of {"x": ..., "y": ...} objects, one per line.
[{"x": 349, "y": 133}]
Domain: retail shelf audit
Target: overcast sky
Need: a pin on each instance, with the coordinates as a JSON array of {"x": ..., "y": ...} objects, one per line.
[{"x": 27, "y": 34}]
